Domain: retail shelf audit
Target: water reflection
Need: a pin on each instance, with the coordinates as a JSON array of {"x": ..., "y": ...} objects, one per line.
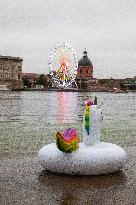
[
  {"x": 80, "y": 189},
  {"x": 63, "y": 104},
  {"x": 10, "y": 106},
  {"x": 46, "y": 112},
  {"x": 63, "y": 108}
]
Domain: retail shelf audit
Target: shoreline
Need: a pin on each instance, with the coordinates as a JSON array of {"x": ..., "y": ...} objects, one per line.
[{"x": 73, "y": 90}]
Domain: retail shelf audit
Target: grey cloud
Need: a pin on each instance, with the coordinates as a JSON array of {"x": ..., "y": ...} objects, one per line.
[{"x": 31, "y": 28}]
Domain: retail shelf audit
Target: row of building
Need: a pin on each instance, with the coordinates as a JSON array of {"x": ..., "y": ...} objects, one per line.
[
  {"x": 12, "y": 77},
  {"x": 11, "y": 71}
]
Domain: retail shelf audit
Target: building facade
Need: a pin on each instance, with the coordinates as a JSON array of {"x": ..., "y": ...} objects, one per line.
[
  {"x": 11, "y": 72},
  {"x": 85, "y": 67},
  {"x": 84, "y": 71}
]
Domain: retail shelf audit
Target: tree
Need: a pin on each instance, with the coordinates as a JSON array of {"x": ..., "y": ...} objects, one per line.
[
  {"x": 41, "y": 80},
  {"x": 122, "y": 86},
  {"x": 26, "y": 82},
  {"x": 44, "y": 80}
]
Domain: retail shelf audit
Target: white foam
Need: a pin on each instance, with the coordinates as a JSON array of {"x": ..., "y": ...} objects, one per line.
[{"x": 102, "y": 158}]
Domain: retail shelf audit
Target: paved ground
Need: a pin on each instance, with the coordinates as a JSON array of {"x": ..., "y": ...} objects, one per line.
[{"x": 24, "y": 182}]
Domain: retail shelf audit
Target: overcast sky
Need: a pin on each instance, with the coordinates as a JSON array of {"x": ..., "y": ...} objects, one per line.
[{"x": 107, "y": 28}]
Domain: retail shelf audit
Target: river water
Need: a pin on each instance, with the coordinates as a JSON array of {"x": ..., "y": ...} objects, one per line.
[{"x": 29, "y": 120}]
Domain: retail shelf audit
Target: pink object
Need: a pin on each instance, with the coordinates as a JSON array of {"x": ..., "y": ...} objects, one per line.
[{"x": 89, "y": 102}]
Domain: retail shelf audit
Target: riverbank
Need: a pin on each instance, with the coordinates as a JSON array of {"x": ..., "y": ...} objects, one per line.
[{"x": 74, "y": 90}]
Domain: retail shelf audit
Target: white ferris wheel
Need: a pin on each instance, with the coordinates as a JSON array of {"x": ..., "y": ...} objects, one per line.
[{"x": 63, "y": 64}]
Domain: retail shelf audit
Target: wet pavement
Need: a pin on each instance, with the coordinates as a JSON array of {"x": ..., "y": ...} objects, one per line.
[{"x": 23, "y": 181}]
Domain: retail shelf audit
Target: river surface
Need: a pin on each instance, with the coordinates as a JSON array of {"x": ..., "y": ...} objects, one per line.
[{"x": 29, "y": 120}]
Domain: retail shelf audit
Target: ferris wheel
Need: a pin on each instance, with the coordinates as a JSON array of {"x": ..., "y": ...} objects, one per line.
[{"x": 63, "y": 64}]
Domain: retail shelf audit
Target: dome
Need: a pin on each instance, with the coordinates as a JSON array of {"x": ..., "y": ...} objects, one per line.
[{"x": 85, "y": 61}]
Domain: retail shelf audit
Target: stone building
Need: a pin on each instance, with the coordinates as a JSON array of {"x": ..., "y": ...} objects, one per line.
[
  {"x": 85, "y": 67},
  {"x": 84, "y": 72},
  {"x": 11, "y": 72}
]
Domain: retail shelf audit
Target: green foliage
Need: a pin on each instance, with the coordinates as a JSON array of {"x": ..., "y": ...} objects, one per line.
[
  {"x": 102, "y": 81},
  {"x": 44, "y": 80},
  {"x": 105, "y": 81},
  {"x": 41, "y": 80},
  {"x": 134, "y": 79},
  {"x": 26, "y": 82},
  {"x": 123, "y": 87}
]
